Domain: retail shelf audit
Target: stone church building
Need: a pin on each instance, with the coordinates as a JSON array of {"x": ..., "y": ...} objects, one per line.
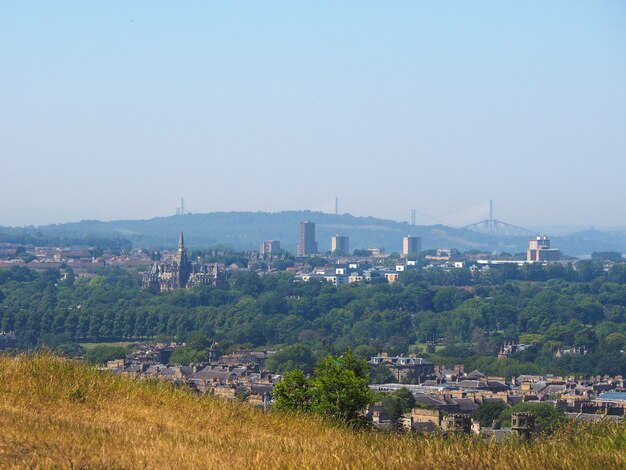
[{"x": 182, "y": 273}]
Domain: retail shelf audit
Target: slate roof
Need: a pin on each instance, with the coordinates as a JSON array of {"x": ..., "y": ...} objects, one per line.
[
  {"x": 495, "y": 435},
  {"x": 592, "y": 417},
  {"x": 552, "y": 389},
  {"x": 483, "y": 384},
  {"x": 466, "y": 404},
  {"x": 474, "y": 375},
  {"x": 133, "y": 369},
  {"x": 262, "y": 389},
  {"x": 212, "y": 375},
  {"x": 430, "y": 400},
  {"x": 426, "y": 427}
]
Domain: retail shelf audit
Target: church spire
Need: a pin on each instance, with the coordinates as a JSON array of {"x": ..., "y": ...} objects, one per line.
[
  {"x": 182, "y": 263},
  {"x": 181, "y": 254}
]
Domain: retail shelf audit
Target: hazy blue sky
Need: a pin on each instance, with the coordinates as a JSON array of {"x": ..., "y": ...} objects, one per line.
[{"x": 116, "y": 109}]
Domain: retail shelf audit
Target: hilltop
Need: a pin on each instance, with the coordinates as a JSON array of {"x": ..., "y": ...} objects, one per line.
[{"x": 55, "y": 412}]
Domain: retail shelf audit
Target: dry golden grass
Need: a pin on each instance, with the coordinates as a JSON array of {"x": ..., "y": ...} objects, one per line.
[{"x": 57, "y": 413}]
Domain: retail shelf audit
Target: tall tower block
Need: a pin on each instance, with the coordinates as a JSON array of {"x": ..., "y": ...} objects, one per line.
[
  {"x": 340, "y": 245},
  {"x": 306, "y": 241},
  {"x": 411, "y": 245}
]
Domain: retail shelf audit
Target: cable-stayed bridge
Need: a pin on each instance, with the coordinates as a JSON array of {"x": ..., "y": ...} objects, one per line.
[{"x": 497, "y": 228}]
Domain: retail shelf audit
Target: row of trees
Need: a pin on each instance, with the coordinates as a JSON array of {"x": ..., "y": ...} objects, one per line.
[
  {"x": 22, "y": 237},
  {"x": 446, "y": 323}
]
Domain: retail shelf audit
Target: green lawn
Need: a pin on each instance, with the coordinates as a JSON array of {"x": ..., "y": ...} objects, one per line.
[
  {"x": 438, "y": 347},
  {"x": 118, "y": 343}
]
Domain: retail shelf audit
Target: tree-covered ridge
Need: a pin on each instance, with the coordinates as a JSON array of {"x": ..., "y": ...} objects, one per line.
[
  {"x": 547, "y": 308},
  {"x": 245, "y": 230},
  {"x": 37, "y": 238}
]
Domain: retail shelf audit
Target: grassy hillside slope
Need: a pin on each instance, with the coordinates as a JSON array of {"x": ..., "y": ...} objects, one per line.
[{"x": 56, "y": 413}]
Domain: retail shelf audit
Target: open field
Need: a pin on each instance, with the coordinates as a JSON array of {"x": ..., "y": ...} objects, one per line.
[
  {"x": 122, "y": 344},
  {"x": 423, "y": 346},
  {"x": 57, "y": 413}
]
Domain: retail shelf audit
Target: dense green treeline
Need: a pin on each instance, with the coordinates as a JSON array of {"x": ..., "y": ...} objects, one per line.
[
  {"x": 549, "y": 308},
  {"x": 22, "y": 236}
]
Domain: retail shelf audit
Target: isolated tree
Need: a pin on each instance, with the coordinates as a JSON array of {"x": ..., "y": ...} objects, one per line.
[
  {"x": 293, "y": 393},
  {"x": 341, "y": 388},
  {"x": 488, "y": 412},
  {"x": 397, "y": 403}
]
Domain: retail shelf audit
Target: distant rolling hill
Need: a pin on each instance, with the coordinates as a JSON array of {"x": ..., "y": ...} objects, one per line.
[{"x": 245, "y": 230}]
